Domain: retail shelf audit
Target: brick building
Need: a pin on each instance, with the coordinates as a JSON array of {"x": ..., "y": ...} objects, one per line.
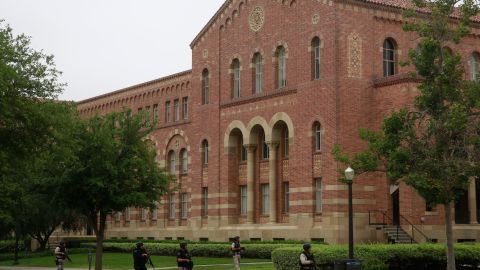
[{"x": 249, "y": 130}]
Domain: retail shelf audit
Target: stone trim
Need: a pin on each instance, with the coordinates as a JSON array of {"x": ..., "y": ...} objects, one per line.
[
  {"x": 258, "y": 97},
  {"x": 395, "y": 79}
]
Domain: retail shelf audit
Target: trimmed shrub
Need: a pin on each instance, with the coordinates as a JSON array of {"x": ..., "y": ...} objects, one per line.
[
  {"x": 381, "y": 257},
  {"x": 25, "y": 255},
  {"x": 7, "y": 245},
  {"x": 258, "y": 251}
]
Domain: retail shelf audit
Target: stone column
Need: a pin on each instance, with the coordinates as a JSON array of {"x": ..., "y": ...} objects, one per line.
[
  {"x": 272, "y": 180},
  {"x": 472, "y": 202},
  {"x": 250, "y": 183}
]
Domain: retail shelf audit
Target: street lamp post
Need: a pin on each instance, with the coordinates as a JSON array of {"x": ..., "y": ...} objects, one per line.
[{"x": 349, "y": 173}]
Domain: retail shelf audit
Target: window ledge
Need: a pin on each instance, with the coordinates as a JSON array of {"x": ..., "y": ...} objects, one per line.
[
  {"x": 172, "y": 124},
  {"x": 257, "y": 97},
  {"x": 395, "y": 79},
  {"x": 431, "y": 213}
]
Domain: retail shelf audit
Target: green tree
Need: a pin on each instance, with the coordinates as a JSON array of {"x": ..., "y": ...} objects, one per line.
[
  {"x": 116, "y": 170},
  {"x": 433, "y": 145},
  {"x": 28, "y": 80}
]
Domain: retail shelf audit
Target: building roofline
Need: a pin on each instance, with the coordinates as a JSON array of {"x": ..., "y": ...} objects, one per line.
[
  {"x": 210, "y": 22},
  {"x": 166, "y": 78}
]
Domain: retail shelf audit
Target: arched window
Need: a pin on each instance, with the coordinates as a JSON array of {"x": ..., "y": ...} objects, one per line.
[
  {"x": 281, "y": 67},
  {"x": 172, "y": 161},
  {"x": 317, "y": 137},
  {"x": 184, "y": 155},
  {"x": 205, "y": 86},
  {"x": 389, "y": 52},
  {"x": 316, "y": 58},
  {"x": 257, "y": 61},
  {"x": 236, "y": 78},
  {"x": 474, "y": 67},
  {"x": 205, "y": 152}
]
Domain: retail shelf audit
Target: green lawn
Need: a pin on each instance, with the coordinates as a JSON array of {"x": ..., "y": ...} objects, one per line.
[{"x": 124, "y": 261}]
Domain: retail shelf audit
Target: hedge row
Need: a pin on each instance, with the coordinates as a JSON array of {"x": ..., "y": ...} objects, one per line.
[
  {"x": 6, "y": 245},
  {"x": 381, "y": 257},
  {"x": 258, "y": 251},
  {"x": 199, "y": 242},
  {"x": 24, "y": 255}
]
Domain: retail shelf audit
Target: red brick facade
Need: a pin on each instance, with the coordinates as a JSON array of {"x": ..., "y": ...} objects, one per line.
[{"x": 350, "y": 93}]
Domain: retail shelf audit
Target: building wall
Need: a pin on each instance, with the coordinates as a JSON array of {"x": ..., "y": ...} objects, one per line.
[{"x": 351, "y": 93}]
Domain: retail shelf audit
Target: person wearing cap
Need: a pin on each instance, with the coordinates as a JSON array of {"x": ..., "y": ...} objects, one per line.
[
  {"x": 184, "y": 259},
  {"x": 140, "y": 257},
  {"x": 61, "y": 255},
  {"x": 236, "y": 248},
  {"x": 307, "y": 261}
]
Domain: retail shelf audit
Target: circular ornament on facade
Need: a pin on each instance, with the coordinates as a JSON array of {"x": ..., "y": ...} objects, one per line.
[
  {"x": 315, "y": 18},
  {"x": 256, "y": 19}
]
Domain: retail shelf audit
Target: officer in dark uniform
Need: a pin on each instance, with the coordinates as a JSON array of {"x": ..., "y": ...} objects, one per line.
[
  {"x": 140, "y": 257},
  {"x": 184, "y": 259},
  {"x": 307, "y": 261}
]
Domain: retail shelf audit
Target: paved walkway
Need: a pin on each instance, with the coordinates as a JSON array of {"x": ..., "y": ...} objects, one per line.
[{"x": 159, "y": 268}]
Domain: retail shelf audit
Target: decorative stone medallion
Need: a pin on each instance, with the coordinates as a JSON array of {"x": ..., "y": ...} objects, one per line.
[
  {"x": 256, "y": 19},
  {"x": 315, "y": 18},
  {"x": 205, "y": 53}
]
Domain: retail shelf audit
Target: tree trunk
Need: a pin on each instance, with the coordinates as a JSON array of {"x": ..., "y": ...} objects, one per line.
[
  {"x": 99, "y": 236},
  {"x": 15, "y": 258},
  {"x": 43, "y": 243},
  {"x": 449, "y": 230}
]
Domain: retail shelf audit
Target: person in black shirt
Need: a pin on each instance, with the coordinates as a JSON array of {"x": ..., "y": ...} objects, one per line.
[
  {"x": 307, "y": 261},
  {"x": 140, "y": 257},
  {"x": 184, "y": 259},
  {"x": 236, "y": 248}
]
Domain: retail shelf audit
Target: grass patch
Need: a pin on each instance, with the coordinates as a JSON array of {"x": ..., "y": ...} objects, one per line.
[{"x": 123, "y": 261}]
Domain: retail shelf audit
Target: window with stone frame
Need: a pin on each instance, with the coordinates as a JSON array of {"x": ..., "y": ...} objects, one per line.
[
  {"x": 389, "y": 58},
  {"x": 185, "y": 108},
  {"x": 236, "y": 83},
  {"x": 184, "y": 205},
  {"x": 171, "y": 208},
  {"x": 205, "y": 149},
  {"x": 316, "y": 44},
  {"x": 176, "y": 106},
  {"x": 257, "y": 73},
  {"x": 243, "y": 200},
  {"x": 155, "y": 114},
  {"x": 184, "y": 155},
  {"x": 172, "y": 162},
  {"x": 154, "y": 211},
  {"x": 317, "y": 137},
  {"x": 265, "y": 189},
  {"x": 205, "y": 87},
  {"x": 286, "y": 197},
  {"x": 281, "y": 67},
  {"x": 168, "y": 116}
]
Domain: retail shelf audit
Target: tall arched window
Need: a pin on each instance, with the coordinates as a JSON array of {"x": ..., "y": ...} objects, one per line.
[
  {"x": 389, "y": 52},
  {"x": 257, "y": 60},
  {"x": 184, "y": 155},
  {"x": 172, "y": 161},
  {"x": 205, "y": 86},
  {"x": 474, "y": 67},
  {"x": 236, "y": 78},
  {"x": 281, "y": 67},
  {"x": 205, "y": 152},
  {"x": 317, "y": 137},
  {"x": 316, "y": 58}
]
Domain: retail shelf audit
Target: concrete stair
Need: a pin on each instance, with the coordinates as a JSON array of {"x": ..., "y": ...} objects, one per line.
[{"x": 400, "y": 237}]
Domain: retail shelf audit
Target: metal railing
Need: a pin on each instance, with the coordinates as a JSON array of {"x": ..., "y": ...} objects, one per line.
[{"x": 386, "y": 219}]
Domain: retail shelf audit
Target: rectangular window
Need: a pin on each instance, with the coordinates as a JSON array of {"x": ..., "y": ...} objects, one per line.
[
  {"x": 185, "y": 108},
  {"x": 147, "y": 122},
  {"x": 184, "y": 208},
  {"x": 154, "y": 211},
  {"x": 243, "y": 200},
  {"x": 318, "y": 195},
  {"x": 258, "y": 74},
  {"x": 265, "y": 199},
  {"x": 205, "y": 202},
  {"x": 144, "y": 214},
  {"x": 155, "y": 114},
  {"x": 172, "y": 206},
  {"x": 176, "y": 105},
  {"x": 127, "y": 214},
  {"x": 168, "y": 116},
  {"x": 118, "y": 216},
  {"x": 286, "y": 197}
]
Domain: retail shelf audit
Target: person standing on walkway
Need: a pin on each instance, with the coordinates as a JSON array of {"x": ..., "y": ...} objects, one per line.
[
  {"x": 184, "y": 259},
  {"x": 236, "y": 248},
  {"x": 307, "y": 261},
  {"x": 61, "y": 255},
  {"x": 140, "y": 257}
]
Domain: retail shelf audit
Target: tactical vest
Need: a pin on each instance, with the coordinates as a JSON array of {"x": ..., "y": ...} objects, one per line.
[{"x": 307, "y": 266}]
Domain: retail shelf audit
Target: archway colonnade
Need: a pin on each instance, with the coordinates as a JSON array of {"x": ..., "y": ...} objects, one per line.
[{"x": 259, "y": 141}]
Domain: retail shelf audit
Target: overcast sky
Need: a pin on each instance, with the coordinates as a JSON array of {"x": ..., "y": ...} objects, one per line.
[{"x": 105, "y": 45}]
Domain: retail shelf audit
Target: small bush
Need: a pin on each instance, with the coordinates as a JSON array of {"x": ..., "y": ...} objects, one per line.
[
  {"x": 25, "y": 255},
  {"x": 380, "y": 257}
]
